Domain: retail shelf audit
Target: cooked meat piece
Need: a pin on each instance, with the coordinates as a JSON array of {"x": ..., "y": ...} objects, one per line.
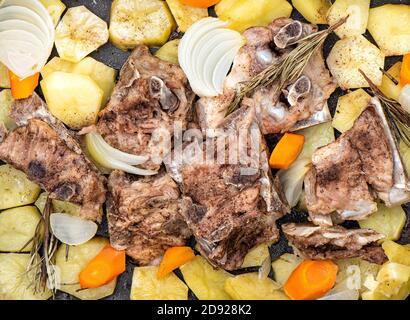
[
  {"x": 149, "y": 98},
  {"x": 46, "y": 152},
  {"x": 144, "y": 216},
  {"x": 229, "y": 206},
  {"x": 336, "y": 183},
  {"x": 313, "y": 242},
  {"x": 348, "y": 174},
  {"x": 277, "y": 111}
]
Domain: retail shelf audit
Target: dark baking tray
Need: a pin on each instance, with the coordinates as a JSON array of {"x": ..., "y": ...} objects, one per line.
[{"x": 115, "y": 58}]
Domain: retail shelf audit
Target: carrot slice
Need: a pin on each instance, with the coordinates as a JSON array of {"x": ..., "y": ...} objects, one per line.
[
  {"x": 286, "y": 151},
  {"x": 312, "y": 279},
  {"x": 104, "y": 268},
  {"x": 21, "y": 89},
  {"x": 405, "y": 70},
  {"x": 174, "y": 258},
  {"x": 200, "y": 3}
]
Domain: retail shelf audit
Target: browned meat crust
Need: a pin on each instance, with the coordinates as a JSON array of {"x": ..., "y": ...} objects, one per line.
[
  {"x": 313, "y": 242},
  {"x": 150, "y": 96},
  {"x": 144, "y": 215},
  {"x": 53, "y": 159}
]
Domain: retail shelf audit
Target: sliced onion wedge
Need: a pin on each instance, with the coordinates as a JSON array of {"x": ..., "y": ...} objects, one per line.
[
  {"x": 105, "y": 159},
  {"x": 72, "y": 230},
  {"x": 15, "y": 24},
  {"x": 342, "y": 295}
]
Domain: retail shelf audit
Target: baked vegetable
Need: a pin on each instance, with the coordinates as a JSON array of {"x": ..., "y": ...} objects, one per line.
[
  {"x": 55, "y": 8},
  {"x": 286, "y": 151},
  {"x": 405, "y": 70},
  {"x": 349, "y": 108},
  {"x": 15, "y": 281},
  {"x": 135, "y": 22},
  {"x": 206, "y": 282},
  {"x": 248, "y": 286},
  {"x": 173, "y": 258},
  {"x": 79, "y": 33},
  {"x": 58, "y": 205},
  {"x": 17, "y": 228},
  {"x": 358, "y": 12},
  {"x": 78, "y": 258},
  {"x": 313, "y": 11},
  {"x": 4, "y": 76},
  {"x": 397, "y": 253},
  {"x": 388, "y": 87},
  {"x": 147, "y": 286},
  {"x": 6, "y": 101},
  {"x": 15, "y": 189},
  {"x": 284, "y": 266},
  {"x": 351, "y": 54},
  {"x": 73, "y": 98},
  {"x": 23, "y": 88},
  {"x": 169, "y": 51},
  {"x": 250, "y": 13},
  {"x": 56, "y": 64},
  {"x": 405, "y": 155},
  {"x": 387, "y": 221},
  {"x": 388, "y": 26},
  {"x": 185, "y": 15},
  {"x": 256, "y": 256}
]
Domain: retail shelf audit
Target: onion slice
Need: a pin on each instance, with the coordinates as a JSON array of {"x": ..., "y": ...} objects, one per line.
[
  {"x": 342, "y": 295},
  {"x": 15, "y": 24},
  {"x": 72, "y": 230}
]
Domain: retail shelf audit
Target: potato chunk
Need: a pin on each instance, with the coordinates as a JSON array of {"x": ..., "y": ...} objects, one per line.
[
  {"x": 169, "y": 52},
  {"x": 396, "y": 252},
  {"x": 388, "y": 87},
  {"x": 146, "y": 286},
  {"x": 394, "y": 281},
  {"x": 248, "y": 286},
  {"x": 78, "y": 259},
  {"x": 256, "y": 256},
  {"x": 58, "y": 205},
  {"x": 349, "y": 108},
  {"x": 4, "y": 77},
  {"x": 358, "y": 12},
  {"x": 55, "y": 8},
  {"x": 284, "y": 266},
  {"x": 313, "y": 11},
  {"x": 75, "y": 99},
  {"x": 389, "y": 26},
  {"x": 135, "y": 22},
  {"x": 251, "y": 13},
  {"x": 405, "y": 155},
  {"x": 351, "y": 54},
  {"x": 387, "y": 221},
  {"x": 15, "y": 281},
  {"x": 206, "y": 282},
  {"x": 184, "y": 15},
  {"x": 79, "y": 33},
  {"x": 6, "y": 100},
  {"x": 15, "y": 189},
  {"x": 17, "y": 228},
  {"x": 56, "y": 64}
]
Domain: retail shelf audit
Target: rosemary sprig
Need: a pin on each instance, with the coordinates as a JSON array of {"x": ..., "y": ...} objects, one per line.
[
  {"x": 287, "y": 70},
  {"x": 398, "y": 117}
]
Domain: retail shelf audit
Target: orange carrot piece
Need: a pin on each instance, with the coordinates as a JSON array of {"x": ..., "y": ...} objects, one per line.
[
  {"x": 104, "y": 268},
  {"x": 286, "y": 151},
  {"x": 21, "y": 89},
  {"x": 311, "y": 280},
  {"x": 405, "y": 70},
  {"x": 200, "y": 3},
  {"x": 174, "y": 258}
]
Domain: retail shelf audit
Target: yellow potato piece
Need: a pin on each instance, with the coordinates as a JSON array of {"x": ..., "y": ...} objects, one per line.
[
  {"x": 17, "y": 228},
  {"x": 349, "y": 108},
  {"x": 351, "y": 54},
  {"x": 248, "y": 286},
  {"x": 56, "y": 64},
  {"x": 405, "y": 155},
  {"x": 184, "y": 15},
  {"x": 134, "y": 22},
  {"x": 243, "y": 14},
  {"x": 389, "y": 26},
  {"x": 387, "y": 221},
  {"x": 388, "y": 87},
  {"x": 6, "y": 100},
  {"x": 313, "y": 11},
  {"x": 169, "y": 52},
  {"x": 4, "y": 77},
  {"x": 15, "y": 189},
  {"x": 58, "y": 205},
  {"x": 75, "y": 99},
  {"x": 256, "y": 256},
  {"x": 396, "y": 252},
  {"x": 55, "y": 8},
  {"x": 78, "y": 258},
  {"x": 146, "y": 286},
  {"x": 206, "y": 282},
  {"x": 284, "y": 266},
  {"x": 358, "y": 12},
  {"x": 15, "y": 282},
  {"x": 392, "y": 278},
  {"x": 79, "y": 33}
]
